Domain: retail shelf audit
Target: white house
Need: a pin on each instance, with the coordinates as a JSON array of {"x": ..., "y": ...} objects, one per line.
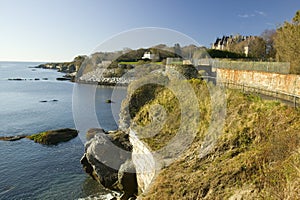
[
  {"x": 246, "y": 50},
  {"x": 149, "y": 55}
]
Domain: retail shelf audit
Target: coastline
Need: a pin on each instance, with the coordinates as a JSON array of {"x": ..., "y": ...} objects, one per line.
[
  {"x": 93, "y": 78},
  {"x": 29, "y": 170},
  {"x": 102, "y": 83}
]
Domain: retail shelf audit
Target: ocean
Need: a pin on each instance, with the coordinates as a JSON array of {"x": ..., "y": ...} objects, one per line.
[{"x": 30, "y": 170}]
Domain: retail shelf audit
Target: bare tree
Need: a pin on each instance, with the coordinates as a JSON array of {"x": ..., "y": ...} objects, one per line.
[
  {"x": 269, "y": 36},
  {"x": 257, "y": 48}
]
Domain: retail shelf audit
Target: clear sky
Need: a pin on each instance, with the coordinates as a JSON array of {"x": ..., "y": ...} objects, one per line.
[{"x": 58, "y": 30}]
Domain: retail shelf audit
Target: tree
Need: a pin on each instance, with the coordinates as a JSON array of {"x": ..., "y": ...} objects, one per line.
[
  {"x": 257, "y": 48},
  {"x": 200, "y": 53},
  {"x": 188, "y": 51},
  {"x": 177, "y": 49},
  {"x": 256, "y": 45},
  {"x": 214, "y": 53},
  {"x": 238, "y": 47},
  {"x": 236, "y": 44},
  {"x": 269, "y": 36},
  {"x": 287, "y": 43}
]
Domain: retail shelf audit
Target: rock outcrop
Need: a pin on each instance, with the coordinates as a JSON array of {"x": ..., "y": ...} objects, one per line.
[
  {"x": 66, "y": 67},
  {"x": 107, "y": 159},
  {"x": 53, "y": 137}
]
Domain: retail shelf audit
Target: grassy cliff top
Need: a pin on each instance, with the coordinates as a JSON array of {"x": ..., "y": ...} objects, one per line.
[{"x": 256, "y": 155}]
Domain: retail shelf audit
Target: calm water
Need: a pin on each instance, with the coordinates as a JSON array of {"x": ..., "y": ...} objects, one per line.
[{"x": 32, "y": 171}]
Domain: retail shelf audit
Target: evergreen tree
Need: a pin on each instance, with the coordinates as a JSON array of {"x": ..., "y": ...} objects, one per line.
[{"x": 287, "y": 43}]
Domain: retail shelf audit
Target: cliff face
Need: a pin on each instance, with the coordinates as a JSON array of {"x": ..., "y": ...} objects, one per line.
[{"x": 254, "y": 156}]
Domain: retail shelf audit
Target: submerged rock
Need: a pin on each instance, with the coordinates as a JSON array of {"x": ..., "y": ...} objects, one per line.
[
  {"x": 45, "y": 101},
  {"x": 53, "y": 137},
  {"x": 109, "y": 101},
  {"x": 63, "y": 79},
  {"x": 13, "y": 138},
  {"x": 17, "y": 79},
  {"x": 26, "y": 79}
]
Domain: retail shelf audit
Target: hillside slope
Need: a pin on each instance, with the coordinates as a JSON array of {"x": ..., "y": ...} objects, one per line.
[{"x": 256, "y": 156}]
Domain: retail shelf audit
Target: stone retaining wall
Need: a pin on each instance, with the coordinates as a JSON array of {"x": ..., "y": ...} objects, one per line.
[{"x": 286, "y": 83}]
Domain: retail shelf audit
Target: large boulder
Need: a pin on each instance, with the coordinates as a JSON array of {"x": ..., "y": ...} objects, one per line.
[
  {"x": 107, "y": 159},
  {"x": 127, "y": 181},
  {"x": 53, "y": 137}
]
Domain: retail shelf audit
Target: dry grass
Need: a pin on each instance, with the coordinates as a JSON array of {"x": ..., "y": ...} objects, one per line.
[{"x": 256, "y": 157}]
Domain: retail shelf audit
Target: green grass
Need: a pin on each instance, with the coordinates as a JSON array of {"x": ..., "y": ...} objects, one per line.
[
  {"x": 136, "y": 63},
  {"x": 128, "y": 63}
]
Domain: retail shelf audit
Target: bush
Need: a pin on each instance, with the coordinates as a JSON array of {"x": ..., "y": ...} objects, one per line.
[{"x": 214, "y": 53}]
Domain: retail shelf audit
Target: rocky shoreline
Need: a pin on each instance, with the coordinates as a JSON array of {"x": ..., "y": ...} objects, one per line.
[
  {"x": 65, "y": 67},
  {"x": 97, "y": 77},
  {"x": 107, "y": 82},
  {"x": 69, "y": 68}
]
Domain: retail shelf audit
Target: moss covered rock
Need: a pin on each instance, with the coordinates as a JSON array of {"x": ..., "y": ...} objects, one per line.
[{"x": 53, "y": 137}]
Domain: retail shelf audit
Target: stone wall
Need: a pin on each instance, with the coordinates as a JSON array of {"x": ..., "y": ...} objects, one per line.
[
  {"x": 271, "y": 67},
  {"x": 285, "y": 83}
]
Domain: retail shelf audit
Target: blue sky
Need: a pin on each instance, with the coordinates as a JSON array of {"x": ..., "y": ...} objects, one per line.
[{"x": 58, "y": 30}]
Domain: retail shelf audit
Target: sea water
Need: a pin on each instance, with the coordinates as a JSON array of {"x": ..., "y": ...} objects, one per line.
[{"x": 30, "y": 170}]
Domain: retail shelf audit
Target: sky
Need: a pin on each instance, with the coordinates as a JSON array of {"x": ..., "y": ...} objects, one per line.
[{"x": 59, "y": 30}]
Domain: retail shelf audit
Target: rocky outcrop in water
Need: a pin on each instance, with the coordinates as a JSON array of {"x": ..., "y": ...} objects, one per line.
[
  {"x": 53, "y": 137},
  {"x": 107, "y": 159}
]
